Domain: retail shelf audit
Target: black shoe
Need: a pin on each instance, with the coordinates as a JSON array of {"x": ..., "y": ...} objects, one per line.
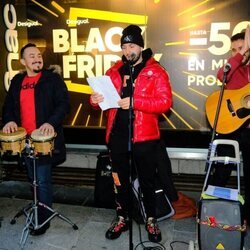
[
  {"x": 154, "y": 233},
  {"x": 40, "y": 231},
  {"x": 117, "y": 227}
]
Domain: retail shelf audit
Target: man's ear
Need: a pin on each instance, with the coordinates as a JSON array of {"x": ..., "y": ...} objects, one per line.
[{"x": 22, "y": 61}]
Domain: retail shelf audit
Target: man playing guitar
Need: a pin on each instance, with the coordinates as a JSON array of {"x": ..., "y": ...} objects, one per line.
[{"x": 238, "y": 78}]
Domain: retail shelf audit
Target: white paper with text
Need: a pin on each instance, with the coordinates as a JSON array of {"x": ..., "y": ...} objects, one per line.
[{"x": 104, "y": 86}]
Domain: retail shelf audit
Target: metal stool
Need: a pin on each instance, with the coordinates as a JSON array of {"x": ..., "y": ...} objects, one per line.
[{"x": 214, "y": 158}]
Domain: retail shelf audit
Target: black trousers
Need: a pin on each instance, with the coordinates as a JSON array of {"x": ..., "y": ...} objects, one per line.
[{"x": 148, "y": 159}]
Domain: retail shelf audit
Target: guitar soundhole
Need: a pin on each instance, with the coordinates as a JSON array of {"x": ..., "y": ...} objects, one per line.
[{"x": 246, "y": 101}]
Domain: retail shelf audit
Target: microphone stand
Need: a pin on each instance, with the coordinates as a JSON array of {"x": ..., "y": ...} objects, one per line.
[
  {"x": 130, "y": 132},
  {"x": 224, "y": 81}
]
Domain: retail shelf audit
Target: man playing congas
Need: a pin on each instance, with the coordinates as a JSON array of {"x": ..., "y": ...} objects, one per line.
[{"x": 38, "y": 99}]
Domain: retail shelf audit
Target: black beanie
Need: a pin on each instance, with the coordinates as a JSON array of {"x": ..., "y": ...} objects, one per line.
[{"x": 132, "y": 34}]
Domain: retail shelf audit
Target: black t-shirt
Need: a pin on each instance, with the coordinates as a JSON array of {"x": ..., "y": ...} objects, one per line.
[{"x": 119, "y": 138}]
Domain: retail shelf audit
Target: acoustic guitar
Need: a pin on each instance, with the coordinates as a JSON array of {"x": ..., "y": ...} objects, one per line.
[{"x": 234, "y": 111}]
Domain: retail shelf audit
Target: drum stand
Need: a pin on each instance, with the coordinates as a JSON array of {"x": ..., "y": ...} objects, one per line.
[{"x": 31, "y": 211}]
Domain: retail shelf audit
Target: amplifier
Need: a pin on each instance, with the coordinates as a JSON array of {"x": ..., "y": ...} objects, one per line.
[{"x": 220, "y": 223}]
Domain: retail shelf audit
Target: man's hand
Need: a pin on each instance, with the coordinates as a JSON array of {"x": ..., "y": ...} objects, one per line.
[
  {"x": 246, "y": 45},
  {"x": 247, "y": 36},
  {"x": 96, "y": 98},
  {"x": 10, "y": 127},
  {"x": 47, "y": 129},
  {"x": 124, "y": 103}
]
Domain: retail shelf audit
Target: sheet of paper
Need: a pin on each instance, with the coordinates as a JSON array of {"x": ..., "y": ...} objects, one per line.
[
  {"x": 104, "y": 86},
  {"x": 221, "y": 192}
]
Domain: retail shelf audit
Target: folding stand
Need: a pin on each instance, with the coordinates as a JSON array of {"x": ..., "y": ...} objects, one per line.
[
  {"x": 220, "y": 221},
  {"x": 31, "y": 211}
]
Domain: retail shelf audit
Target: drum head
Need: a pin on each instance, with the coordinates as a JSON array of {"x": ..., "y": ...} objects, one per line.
[
  {"x": 36, "y": 135},
  {"x": 19, "y": 134}
]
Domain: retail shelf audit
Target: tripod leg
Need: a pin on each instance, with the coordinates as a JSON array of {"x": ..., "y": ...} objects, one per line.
[
  {"x": 20, "y": 212},
  {"x": 54, "y": 214},
  {"x": 26, "y": 229},
  {"x": 75, "y": 227}
]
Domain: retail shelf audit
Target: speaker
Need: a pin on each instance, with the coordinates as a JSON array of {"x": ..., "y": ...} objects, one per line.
[
  {"x": 104, "y": 195},
  {"x": 222, "y": 213}
]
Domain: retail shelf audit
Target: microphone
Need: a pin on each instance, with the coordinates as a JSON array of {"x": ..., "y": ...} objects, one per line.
[{"x": 227, "y": 68}]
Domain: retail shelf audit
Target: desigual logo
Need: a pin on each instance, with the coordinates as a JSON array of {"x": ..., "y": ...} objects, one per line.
[
  {"x": 28, "y": 24},
  {"x": 77, "y": 22}
]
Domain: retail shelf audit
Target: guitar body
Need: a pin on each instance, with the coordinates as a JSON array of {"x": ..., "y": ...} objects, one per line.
[{"x": 234, "y": 110}]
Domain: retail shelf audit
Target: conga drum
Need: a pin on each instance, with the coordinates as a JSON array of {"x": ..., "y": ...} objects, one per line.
[
  {"x": 42, "y": 144},
  {"x": 13, "y": 143}
]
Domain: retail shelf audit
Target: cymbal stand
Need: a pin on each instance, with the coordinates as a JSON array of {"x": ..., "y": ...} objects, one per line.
[{"x": 31, "y": 210}]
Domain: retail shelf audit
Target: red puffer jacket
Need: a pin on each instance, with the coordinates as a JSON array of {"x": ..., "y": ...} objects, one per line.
[{"x": 152, "y": 96}]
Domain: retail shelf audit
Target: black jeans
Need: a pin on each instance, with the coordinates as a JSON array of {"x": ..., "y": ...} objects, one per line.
[{"x": 145, "y": 160}]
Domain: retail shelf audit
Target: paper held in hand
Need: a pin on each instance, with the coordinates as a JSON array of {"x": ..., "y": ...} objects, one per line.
[{"x": 104, "y": 86}]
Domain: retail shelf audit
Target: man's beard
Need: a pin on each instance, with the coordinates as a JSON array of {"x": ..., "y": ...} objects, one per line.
[
  {"x": 136, "y": 58},
  {"x": 37, "y": 70}
]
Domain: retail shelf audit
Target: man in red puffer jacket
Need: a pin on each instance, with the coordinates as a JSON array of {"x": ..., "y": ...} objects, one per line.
[{"x": 152, "y": 96}]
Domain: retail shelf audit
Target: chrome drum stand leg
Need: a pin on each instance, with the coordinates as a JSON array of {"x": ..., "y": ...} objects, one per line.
[{"x": 31, "y": 211}]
